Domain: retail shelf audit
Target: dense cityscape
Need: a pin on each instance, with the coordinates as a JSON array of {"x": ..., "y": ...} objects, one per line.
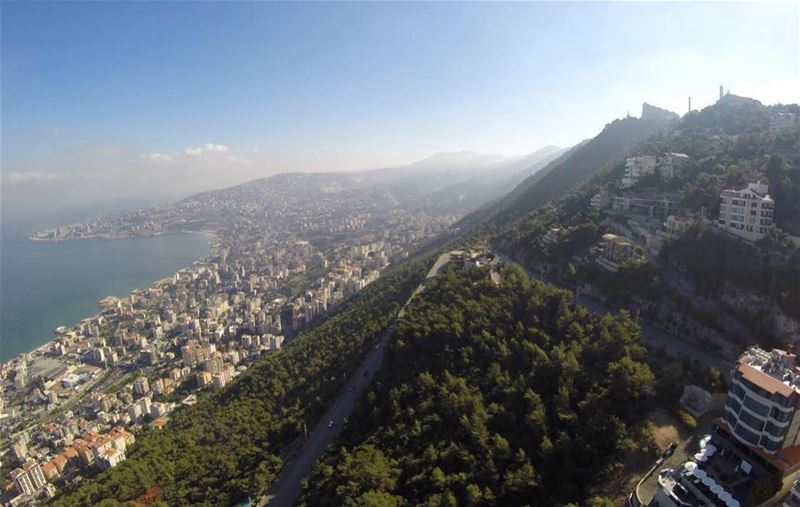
[{"x": 278, "y": 263}]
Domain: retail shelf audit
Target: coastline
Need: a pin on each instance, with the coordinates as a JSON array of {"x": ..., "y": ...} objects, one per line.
[
  {"x": 46, "y": 346},
  {"x": 34, "y": 237}
]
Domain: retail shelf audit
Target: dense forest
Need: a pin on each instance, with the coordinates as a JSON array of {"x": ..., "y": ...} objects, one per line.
[
  {"x": 232, "y": 443},
  {"x": 491, "y": 395}
]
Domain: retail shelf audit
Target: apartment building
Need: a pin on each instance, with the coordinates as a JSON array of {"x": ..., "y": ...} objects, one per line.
[
  {"x": 612, "y": 251},
  {"x": 637, "y": 168},
  {"x": 761, "y": 412},
  {"x": 601, "y": 200},
  {"x": 746, "y": 213},
  {"x": 758, "y": 436},
  {"x": 29, "y": 478}
]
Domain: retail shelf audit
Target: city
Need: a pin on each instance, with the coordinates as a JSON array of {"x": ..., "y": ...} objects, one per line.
[{"x": 70, "y": 408}]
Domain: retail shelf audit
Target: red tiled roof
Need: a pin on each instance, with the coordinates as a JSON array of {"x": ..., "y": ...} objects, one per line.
[{"x": 765, "y": 380}]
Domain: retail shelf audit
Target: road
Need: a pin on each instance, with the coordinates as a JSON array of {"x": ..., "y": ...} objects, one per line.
[
  {"x": 651, "y": 335},
  {"x": 285, "y": 491}
]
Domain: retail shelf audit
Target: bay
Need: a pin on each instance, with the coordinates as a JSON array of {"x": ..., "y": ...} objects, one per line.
[{"x": 45, "y": 284}]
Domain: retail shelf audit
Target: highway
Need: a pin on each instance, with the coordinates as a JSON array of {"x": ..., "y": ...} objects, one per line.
[{"x": 286, "y": 490}]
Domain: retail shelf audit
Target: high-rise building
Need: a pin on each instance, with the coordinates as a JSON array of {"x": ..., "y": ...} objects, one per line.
[
  {"x": 29, "y": 478},
  {"x": 141, "y": 386},
  {"x": 20, "y": 449},
  {"x": 746, "y": 213},
  {"x": 756, "y": 439},
  {"x": 761, "y": 412}
]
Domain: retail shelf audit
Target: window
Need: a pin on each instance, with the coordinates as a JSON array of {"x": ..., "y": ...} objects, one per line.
[
  {"x": 781, "y": 400},
  {"x": 733, "y": 405},
  {"x": 738, "y": 391},
  {"x": 775, "y": 431},
  {"x": 746, "y": 435},
  {"x": 782, "y": 416},
  {"x": 754, "y": 388},
  {"x": 751, "y": 420},
  {"x": 729, "y": 418},
  {"x": 758, "y": 408},
  {"x": 769, "y": 444}
]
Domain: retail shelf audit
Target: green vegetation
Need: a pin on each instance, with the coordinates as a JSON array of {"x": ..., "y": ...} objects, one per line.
[
  {"x": 232, "y": 443},
  {"x": 491, "y": 395},
  {"x": 769, "y": 270},
  {"x": 729, "y": 145},
  {"x": 687, "y": 419}
]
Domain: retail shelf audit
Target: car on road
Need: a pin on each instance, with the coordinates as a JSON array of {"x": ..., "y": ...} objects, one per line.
[{"x": 331, "y": 424}]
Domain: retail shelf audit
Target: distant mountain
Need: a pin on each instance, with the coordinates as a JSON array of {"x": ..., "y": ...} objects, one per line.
[
  {"x": 456, "y": 182},
  {"x": 494, "y": 181},
  {"x": 575, "y": 165}
]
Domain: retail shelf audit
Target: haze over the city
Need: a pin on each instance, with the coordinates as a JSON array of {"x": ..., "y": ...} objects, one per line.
[{"x": 151, "y": 101}]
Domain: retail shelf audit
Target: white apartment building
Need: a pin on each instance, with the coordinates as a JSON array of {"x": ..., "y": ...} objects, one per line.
[
  {"x": 637, "y": 168},
  {"x": 668, "y": 162},
  {"x": 29, "y": 479},
  {"x": 746, "y": 213},
  {"x": 601, "y": 200},
  {"x": 110, "y": 458}
]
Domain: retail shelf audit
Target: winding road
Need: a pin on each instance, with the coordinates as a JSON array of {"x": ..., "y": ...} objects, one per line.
[
  {"x": 651, "y": 335},
  {"x": 285, "y": 491}
]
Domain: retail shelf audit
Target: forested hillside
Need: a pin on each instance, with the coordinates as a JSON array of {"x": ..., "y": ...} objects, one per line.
[
  {"x": 231, "y": 444},
  {"x": 729, "y": 144},
  {"x": 491, "y": 395}
]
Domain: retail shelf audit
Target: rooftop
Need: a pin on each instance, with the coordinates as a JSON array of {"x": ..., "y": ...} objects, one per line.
[{"x": 775, "y": 371}]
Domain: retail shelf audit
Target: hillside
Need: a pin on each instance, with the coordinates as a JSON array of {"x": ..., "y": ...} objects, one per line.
[
  {"x": 734, "y": 293},
  {"x": 575, "y": 166},
  {"x": 232, "y": 443},
  {"x": 492, "y": 395}
]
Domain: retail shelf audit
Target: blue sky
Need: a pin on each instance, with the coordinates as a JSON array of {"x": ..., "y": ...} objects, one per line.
[{"x": 171, "y": 98}]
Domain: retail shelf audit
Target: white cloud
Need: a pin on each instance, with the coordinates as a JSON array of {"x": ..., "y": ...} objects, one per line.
[
  {"x": 159, "y": 157},
  {"x": 21, "y": 177},
  {"x": 237, "y": 159},
  {"x": 205, "y": 148}
]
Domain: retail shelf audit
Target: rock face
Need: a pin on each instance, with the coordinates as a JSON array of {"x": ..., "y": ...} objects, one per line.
[{"x": 653, "y": 113}]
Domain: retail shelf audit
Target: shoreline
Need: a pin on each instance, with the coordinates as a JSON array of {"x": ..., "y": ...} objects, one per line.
[
  {"x": 44, "y": 347},
  {"x": 33, "y": 237}
]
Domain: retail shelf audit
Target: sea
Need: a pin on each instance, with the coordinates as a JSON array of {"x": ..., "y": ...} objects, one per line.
[{"x": 46, "y": 284}]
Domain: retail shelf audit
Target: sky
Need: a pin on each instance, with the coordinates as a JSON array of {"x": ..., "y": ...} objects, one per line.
[{"x": 127, "y": 101}]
